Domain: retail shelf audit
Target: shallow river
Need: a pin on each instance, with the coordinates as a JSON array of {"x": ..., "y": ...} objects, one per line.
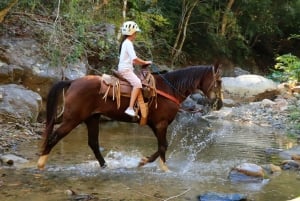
[{"x": 199, "y": 160}]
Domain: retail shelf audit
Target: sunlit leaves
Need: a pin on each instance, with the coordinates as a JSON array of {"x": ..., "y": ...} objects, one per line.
[{"x": 290, "y": 66}]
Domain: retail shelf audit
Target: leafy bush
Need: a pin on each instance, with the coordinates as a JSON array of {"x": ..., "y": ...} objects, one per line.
[{"x": 287, "y": 69}]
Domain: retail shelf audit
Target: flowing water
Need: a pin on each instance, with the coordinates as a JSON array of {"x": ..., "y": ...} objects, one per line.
[{"x": 200, "y": 156}]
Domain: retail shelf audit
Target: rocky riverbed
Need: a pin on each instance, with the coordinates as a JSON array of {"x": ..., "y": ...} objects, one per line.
[
  {"x": 12, "y": 134},
  {"x": 267, "y": 113}
]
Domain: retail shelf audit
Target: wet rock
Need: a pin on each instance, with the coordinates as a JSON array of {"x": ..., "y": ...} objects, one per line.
[
  {"x": 10, "y": 159},
  {"x": 211, "y": 196},
  {"x": 271, "y": 168},
  {"x": 196, "y": 103},
  {"x": 290, "y": 165},
  {"x": 272, "y": 151},
  {"x": 296, "y": 157},
  {"x": 287, "y": 154},
  {"x": 229, "y": 102},
  {"x": 79, "y": 197},
  {"x": 188, "y": 105},
  {"x": 246, "y": 172}
]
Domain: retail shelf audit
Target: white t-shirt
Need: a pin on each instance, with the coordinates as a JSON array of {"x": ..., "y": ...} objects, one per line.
[{"x": 127, "y": 56}]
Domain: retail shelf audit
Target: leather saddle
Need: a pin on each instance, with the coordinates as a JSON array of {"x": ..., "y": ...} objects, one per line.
[{"x": 115, "y": 86}]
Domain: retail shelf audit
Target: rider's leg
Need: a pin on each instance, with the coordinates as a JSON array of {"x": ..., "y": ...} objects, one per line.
[{"x": 134, "y": 94}]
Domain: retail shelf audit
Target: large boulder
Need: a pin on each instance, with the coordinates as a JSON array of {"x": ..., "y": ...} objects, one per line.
[
  {"x": 18, "y": 104},
  {"x": 22, "y": 61},
  {"x": 249, "y": 88}
]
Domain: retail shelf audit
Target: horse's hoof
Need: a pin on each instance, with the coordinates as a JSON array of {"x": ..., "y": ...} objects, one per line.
[
  {"x": 42, "y": 162},
  {"x": 163, "y": 166},
  {"x": 143, "y": 162},
  {"x": 104, "y": 166}
]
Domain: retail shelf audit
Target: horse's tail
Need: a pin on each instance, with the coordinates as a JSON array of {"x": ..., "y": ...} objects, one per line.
[{"x": 51, "y": 107}]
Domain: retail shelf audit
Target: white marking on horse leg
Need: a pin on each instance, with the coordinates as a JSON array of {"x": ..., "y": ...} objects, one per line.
[
  {"x": 143, "y": 162},
  {"x": 42, "y": 162},
  {"x": 163, "y": 166}
]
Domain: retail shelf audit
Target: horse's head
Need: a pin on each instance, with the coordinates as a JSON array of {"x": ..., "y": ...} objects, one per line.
[{"x": 214, "y": 88}]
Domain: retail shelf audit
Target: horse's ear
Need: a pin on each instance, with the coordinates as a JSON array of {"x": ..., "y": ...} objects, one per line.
[{"x": 217, "y": 67}]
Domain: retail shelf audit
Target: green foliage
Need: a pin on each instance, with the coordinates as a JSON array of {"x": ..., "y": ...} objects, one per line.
[
  {"x": 276, "y": 75},
  {"x": 253, "y": 28},
  {"x": 294, "y": 118},
  {"x": 289, "y": 66}
]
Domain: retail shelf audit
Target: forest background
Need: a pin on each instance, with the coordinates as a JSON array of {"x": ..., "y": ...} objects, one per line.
[
  {"x": 261, "y": 36},
  {"x": 257, "y": 35}
]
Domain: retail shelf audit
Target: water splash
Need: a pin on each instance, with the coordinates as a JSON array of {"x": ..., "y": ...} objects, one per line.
[{"x": 117, "y": 159}]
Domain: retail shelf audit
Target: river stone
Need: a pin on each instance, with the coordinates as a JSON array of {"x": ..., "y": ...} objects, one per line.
[
  {"x": 229, "y": 102},
  {"x": 296, "y": 157},
  {"x": 248, "y": 88},
  {"x": 192, "y": 106},
  {"x": 211, "y": 196},
  {"x": 290, "y": 165},
  {"x": 287, "y": 154},
  {"x": 19, "y": 104},
  {"x": 271, "y": 168},
  {"x": 247, "y": 172},
  {"x": 10, "y": 159},
  {"x": 296, "y": 89}
]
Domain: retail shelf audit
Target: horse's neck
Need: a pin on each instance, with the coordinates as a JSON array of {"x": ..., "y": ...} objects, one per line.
[
  {"x": 182, "y": 90},
  {"x": 170, "y": 88}
]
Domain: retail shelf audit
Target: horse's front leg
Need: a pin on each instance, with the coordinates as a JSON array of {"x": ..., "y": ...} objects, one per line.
[
  {"x": 160, "y": 131},
  {"x": 92, "y": 124}
]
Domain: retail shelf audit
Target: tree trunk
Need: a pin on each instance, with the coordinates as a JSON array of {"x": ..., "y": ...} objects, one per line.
[
  {"x": 187, "y": 8},
  {"x": 124, "y": 18},
  {"x": 124, "y": 10},
  {"x": 5, "y": 10},
  {"x": 225, "y": 17}
]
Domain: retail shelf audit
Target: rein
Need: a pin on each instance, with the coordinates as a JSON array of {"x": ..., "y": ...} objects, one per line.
[{"x": 172, "y": 98}]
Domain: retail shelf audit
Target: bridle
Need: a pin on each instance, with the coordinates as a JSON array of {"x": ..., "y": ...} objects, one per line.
[{"x": 214, "y": 85}]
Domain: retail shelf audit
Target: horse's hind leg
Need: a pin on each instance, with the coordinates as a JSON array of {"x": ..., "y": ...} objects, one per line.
[
  {"x": 92, "y": 124},
  {"x": 53, "y": 139}
]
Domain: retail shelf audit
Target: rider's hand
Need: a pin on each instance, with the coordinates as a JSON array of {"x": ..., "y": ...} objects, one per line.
[{"x": 148, "y": 63}]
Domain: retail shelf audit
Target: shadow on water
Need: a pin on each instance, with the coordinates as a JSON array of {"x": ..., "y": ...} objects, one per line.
[{"x": 200, "y": 156}]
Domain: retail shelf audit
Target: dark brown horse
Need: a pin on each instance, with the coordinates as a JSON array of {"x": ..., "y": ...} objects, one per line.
[{"x": 83, "y": 103}]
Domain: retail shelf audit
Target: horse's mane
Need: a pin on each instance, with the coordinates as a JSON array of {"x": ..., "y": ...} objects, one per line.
[{"x": 186, "y": 78}]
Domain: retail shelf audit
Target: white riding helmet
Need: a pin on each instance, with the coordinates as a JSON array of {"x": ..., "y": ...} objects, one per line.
[{"x": 129, "y": 28}]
